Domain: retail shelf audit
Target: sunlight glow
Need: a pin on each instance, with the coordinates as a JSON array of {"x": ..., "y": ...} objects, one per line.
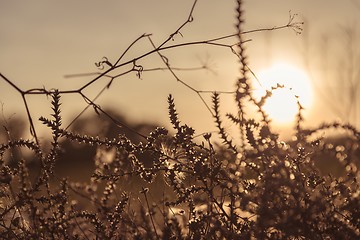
[{"x": 281, "y": 106}]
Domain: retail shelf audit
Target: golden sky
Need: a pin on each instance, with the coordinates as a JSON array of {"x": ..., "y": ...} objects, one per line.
[{"x": 42, "y": 41}]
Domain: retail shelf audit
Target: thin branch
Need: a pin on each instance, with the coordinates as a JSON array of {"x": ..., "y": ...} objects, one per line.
[
  {"x": 178, "y": 79},
  {"x": 11, "y": 83},
  {"x": 115, "y": 121},
  {"x": 189, "y": 19},
  {"x": 296, "y": 26},
  {"x": 129, "y": 47}
]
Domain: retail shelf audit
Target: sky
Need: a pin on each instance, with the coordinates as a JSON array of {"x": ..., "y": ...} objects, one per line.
[{"x": 42, "y": 42}]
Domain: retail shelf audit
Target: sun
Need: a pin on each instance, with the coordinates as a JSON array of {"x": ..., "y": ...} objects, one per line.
[{"x": 282, "y": 105}]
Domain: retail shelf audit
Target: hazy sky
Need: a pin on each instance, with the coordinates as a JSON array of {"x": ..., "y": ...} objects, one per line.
[{"x": 42, "y": 41}]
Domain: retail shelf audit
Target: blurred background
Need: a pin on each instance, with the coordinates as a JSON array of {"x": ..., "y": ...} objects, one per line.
[{"x": 47, "y": 44}]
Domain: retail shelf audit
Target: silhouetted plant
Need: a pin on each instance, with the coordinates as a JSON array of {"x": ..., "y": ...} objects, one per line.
[{"x": 174, "y": 186}]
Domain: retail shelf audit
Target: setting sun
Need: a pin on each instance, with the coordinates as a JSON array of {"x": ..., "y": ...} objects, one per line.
[{"x": 282, "y": 106}]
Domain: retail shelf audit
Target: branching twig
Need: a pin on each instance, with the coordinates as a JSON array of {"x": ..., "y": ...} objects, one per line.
[{"x": 108, "y": 73}]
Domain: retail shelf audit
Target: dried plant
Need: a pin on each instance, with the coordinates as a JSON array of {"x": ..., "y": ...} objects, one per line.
[{"x": 255, "y": 187}]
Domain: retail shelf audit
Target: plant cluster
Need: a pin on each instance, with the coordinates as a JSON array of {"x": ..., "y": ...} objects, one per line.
[{"x": 259, "y": 188}]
